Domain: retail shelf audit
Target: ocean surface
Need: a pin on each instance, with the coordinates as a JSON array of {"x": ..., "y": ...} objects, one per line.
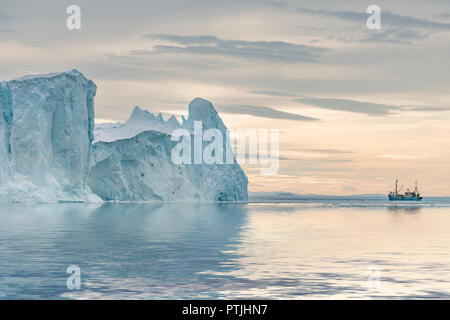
[{"x": 297, "y": 249}]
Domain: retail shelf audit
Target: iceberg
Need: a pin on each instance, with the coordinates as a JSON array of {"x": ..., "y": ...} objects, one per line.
[
  {"x": 51, "y": 152},
  {"x": 46, "y": 133},
  {"x": 218, "y": 182},
  {"x": 139, "y": 121},
  {"x": 140, "y": 168}
]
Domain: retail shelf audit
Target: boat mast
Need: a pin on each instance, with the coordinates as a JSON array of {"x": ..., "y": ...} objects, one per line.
[{"x": 396, "y": 183}]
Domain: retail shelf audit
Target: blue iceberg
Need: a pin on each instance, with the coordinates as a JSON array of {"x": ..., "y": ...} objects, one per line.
[{"x": 50, "y": 152}]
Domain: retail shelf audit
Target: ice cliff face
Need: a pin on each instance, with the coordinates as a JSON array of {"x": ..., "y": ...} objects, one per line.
[
  {"x": 219, "y": 182},
  {"x": 141, "y": 168},
  {"x": 46, "y": 132}
]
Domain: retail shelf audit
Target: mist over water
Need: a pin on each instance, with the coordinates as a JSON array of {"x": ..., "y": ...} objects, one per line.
[{"x": 309, "y": 249}]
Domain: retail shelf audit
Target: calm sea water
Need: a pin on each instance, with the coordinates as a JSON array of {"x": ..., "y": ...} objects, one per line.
[{"x": 309, "y": 249}]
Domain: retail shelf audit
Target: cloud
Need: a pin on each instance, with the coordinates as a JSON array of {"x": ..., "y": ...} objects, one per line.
[
  {"x": 2, "y": 30},
  {"x": 327, "y": 151},
  {"x": 426, "y": 108},
  {"x": 4, "y": 17},
  {"x": 275, "y": 93},
  {"x": 336, "y": 160},
  {"x": 396, "y": 35},
  {"x": 395, "y": 28},
  {"x": 406, "y": 156},
  {"x": 275, "y": 4},
  {"x": 372, "y": 109},
  {"x": 276, "y": 51},
  {"x": 443, "y": 16},
  {"x": 387, "y": 17},
  {"x": 330, "y": 160},
  {"x": 4, "y": 20},
  {"x": 368, "y": 108},
  {"x": 264, "y": 112}
]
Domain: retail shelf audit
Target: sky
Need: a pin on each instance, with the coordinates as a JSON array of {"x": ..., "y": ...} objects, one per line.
[{"x": 356, "y": 108}]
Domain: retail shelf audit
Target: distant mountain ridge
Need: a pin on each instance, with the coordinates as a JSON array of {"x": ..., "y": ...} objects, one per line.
[{"x": 255, "y": 196}]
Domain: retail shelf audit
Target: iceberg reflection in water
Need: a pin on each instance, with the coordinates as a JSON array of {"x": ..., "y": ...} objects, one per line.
[{"x": 290, "y": 251}]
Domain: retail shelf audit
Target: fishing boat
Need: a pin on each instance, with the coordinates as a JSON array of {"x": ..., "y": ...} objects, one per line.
[{"x": 407, "y": 196}]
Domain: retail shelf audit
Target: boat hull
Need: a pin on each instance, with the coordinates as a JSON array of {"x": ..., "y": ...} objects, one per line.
[{"x": 400, "y": 198}]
